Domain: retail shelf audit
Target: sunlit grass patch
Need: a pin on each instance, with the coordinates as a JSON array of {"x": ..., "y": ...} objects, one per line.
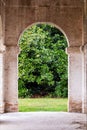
[{"x": 42, "y": 104}]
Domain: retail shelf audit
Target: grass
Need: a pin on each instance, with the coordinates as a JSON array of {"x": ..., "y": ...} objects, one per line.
[{"x": 42, "y": 104}]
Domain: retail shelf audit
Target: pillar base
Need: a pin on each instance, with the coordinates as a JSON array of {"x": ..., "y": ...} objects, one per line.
[
  {"x": 84, "y": 108},
  {"x": 75, "y": 106},
  {"x": 11, "y": 107},
  {"x": 84, "y": 111},
  {"x": 2, "y": 108}
]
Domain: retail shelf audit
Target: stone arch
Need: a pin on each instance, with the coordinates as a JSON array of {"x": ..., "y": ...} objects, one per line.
[
  {"x": 68, "y": 16},
  {"x": 48, "y": 23},
  {"x": 75, "y": 101}
]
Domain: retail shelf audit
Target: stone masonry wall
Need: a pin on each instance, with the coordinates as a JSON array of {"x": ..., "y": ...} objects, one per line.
[{"x": 66, "y": 15}]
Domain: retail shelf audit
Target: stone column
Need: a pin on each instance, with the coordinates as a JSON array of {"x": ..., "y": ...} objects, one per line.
[
  {"x": 11, "y": 77},
  {"x": 84, "y": 83},
  {"x": 2, "y": 49},
  {"x": 74, "y": 79},
  {"x": 84, "y": 50}
]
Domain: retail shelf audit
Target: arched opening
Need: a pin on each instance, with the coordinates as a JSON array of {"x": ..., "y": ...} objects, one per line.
[{"x": 43, "y": 65}]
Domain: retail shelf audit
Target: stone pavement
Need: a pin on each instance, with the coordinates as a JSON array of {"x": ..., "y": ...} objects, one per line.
[{"x": 43, "y": 121}]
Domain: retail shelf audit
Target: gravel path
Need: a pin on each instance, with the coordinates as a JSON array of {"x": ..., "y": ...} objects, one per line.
[{"x": 43, "y": 121}]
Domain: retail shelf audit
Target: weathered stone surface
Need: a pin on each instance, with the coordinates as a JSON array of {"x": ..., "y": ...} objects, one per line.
[
  {"x": 75, "y": 106},
  {"x": 69, "y": 19},
  {"x": 10, "y": 107},
  {"x": 74, "y": 3}
]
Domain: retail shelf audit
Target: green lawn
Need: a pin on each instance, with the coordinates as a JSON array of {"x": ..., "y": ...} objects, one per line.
[{"x": 42, "y": 104}]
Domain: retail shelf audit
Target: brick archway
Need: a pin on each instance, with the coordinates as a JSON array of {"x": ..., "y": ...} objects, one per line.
[{"x": 16, "y": 16}]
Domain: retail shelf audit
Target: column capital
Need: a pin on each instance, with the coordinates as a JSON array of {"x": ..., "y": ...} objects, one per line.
[
  {"x": 13, "y": 48},
  {"x": 73, "y": 49}
]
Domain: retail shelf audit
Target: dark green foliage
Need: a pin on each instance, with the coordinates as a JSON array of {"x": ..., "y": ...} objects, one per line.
[{"x": 43, "y": 62}]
